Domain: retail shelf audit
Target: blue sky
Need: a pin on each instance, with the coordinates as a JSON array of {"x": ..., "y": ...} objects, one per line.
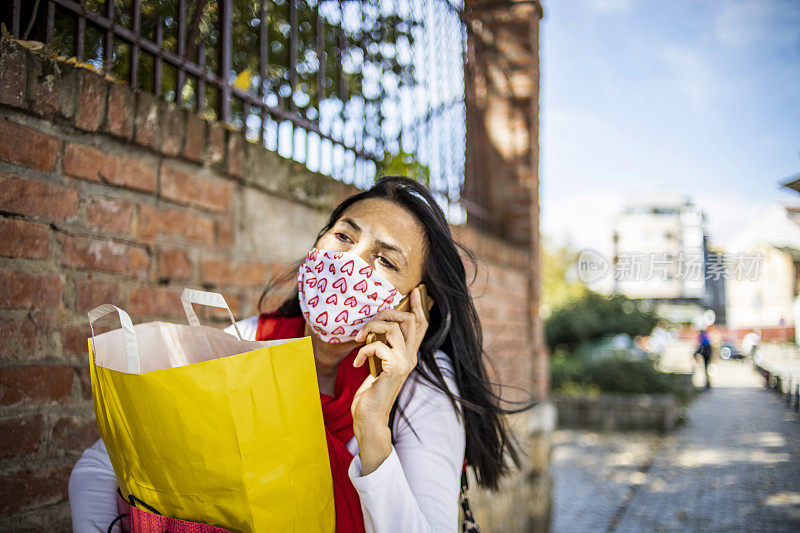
[{"x": 645, "y": 96}]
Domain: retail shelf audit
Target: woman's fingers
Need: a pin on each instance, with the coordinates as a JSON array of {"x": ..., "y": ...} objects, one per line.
[
  {"x": 406, "y": 320},
  {"x": 394, "y": 336},
  {"x": 391, "y": 362}
]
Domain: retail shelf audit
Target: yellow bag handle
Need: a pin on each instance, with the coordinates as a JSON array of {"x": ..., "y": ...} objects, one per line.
[
  {"x": 128, "y": 335},
  {"x": 212, "y": 299}
]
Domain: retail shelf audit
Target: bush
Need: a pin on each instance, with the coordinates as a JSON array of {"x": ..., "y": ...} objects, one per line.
[
  {"x": 595, "y": 316},
  {"x": 586, "y": 376}
]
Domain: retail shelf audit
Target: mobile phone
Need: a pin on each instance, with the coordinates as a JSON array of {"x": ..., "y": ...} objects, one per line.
[{"x": 404, "y": 305}]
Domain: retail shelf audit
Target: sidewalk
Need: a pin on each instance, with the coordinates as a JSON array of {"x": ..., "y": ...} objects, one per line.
[{"x": 734, "y": 466}]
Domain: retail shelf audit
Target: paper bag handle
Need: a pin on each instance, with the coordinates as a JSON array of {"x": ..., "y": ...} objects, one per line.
[
  {"x": 128, "y": 335},
  {"x": 212, "y": 299}
]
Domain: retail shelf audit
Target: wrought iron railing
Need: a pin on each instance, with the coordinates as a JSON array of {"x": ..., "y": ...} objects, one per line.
[{"x": 350, "y": 88}]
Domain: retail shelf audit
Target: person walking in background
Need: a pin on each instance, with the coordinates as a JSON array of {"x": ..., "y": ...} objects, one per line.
[{"x": 704, "y": 350}]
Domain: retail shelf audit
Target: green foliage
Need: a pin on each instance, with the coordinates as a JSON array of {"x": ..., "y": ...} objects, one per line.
[
  {"x": 595, "y": 316},
  {"x": 404, "y": 164},
  {"x": 557, "y": 288},
  {"x": 585, "y": 377},
  {"x": 368, "y": 41}
]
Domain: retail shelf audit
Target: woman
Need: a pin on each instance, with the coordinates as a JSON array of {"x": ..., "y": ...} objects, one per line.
[{"x": 397, "y": 443}]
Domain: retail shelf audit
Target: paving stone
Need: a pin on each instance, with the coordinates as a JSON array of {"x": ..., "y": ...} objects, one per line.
[{"x": 734, "y": 466}]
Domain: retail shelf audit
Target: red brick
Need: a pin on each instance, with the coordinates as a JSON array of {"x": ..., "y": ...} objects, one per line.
[
  {"x": 28, "y": 488},
  {"x": 146, "y": 120},
  {"x": 171, "y": 119},
  {"x": 85, "y": 378},
  {"x": 20, "y": 145},
  {"x": 92, "y": 164},
  {"x": 120, "y": 111},
  {"x": 191, "y": 189},
  {"x": 195, "y": 137},
  {"x": 13, "y": 66},
  {"x": 90, "y": 293},
  {"x": 248, "y": 274},
  {"x": 74, "y": 339},
  {"x": 23, "y": 290},
  {"x": 154, "y": 301},
  {"x": 36, "y": 384},
  {"x": 34, "y": 198},
  {"x": 24, "y": 239},
  {"x": 27, "y": 337},
  {"x": 112, "y": 216},
  {"x": 45, "y": 85},
  {"x": 154, "y": 222},
  {"x": 174, "y": 265},
  {"x": 20, "y": 436},
  {"x": 216, "y": 143},
  {"x": 224, "y": 229},
  {"x": 73, "y": 434},
  {"x": 107, "y": 256},
  {"x": 19, "y": 338},
  {"x": 235, "y": 160},
  {"x": 92, "y": 98}
]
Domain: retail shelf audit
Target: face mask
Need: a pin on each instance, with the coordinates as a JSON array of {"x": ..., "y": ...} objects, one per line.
[{"x": 339, "y": 292}]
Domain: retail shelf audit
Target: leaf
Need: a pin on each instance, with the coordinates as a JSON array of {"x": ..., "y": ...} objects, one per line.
[{"x": 243, "y": 80}]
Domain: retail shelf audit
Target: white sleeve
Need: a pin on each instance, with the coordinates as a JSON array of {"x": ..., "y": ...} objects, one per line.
[
  {"x": 416, "y": 488},
  {"x": 93, "y": 491},
  {"x": 247, "y": 328}
]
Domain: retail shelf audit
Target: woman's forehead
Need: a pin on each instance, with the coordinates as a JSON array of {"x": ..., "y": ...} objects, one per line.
[{"x": 386, "y": 220}]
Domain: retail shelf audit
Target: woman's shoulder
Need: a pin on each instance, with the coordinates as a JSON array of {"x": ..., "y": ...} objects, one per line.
[
  {"x": 440, "y": 361},
  {"x": 427, "y": 416},
  {"x": 422, "y": 391}
]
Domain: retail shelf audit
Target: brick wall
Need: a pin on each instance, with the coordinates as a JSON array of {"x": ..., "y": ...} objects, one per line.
[
  {"x": 502, "y": 110},
  {"x": 110, "y": 196}
]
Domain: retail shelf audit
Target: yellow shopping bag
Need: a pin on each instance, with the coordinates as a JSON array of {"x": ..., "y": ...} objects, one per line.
[{"x": 203, "y": 426}]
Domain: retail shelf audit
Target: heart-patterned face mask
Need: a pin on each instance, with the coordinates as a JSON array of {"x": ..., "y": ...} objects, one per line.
[{"x": 339, "y": 292}]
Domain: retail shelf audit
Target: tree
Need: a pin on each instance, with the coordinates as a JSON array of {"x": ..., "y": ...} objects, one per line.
[
  {"x": 559, "y": 285},
  {"x": 595, "y": 316},
  {"x": 364, "y": 52}
]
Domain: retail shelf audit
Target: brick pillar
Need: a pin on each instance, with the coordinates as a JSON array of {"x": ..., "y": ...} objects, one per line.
[{"x": 502, "y": 106}]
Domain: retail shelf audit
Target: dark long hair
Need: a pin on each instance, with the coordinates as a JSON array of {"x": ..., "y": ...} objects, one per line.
[{"x": 454, "y": 328}]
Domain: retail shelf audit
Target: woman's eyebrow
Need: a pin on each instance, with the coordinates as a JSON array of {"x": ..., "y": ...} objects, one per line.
[
  {"x": 390, "y": 247},
  {"x": 352, "y": 223},
  {"x": 383, "y": 244}
]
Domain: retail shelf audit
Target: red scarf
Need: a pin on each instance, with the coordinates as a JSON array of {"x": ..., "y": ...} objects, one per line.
[{"x": 337, "y": 417}]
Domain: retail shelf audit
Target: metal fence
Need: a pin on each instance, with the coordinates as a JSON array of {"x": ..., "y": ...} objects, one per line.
[{"x": 350, "y": 88}]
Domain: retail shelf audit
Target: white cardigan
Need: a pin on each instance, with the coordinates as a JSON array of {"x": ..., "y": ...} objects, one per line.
[{"x": 414, "y": 489}]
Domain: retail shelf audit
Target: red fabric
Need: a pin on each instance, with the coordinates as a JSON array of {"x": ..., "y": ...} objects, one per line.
[
  {"x": 140, "y": 521},
  {"x": 337, "y": 417}
]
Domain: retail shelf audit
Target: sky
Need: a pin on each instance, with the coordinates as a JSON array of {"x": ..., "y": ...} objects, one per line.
[{"x": 652, "y": 96}]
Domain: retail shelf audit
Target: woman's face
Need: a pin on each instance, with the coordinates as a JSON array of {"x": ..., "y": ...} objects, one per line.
[{"x": 387, "y": 236}]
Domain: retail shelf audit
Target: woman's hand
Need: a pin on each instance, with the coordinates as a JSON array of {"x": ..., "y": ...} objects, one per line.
[{"x": 374, "y": 399}]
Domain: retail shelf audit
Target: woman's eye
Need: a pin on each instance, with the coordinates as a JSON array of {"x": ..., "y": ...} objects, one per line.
[
  {"x": 387, "y": 263},
  {"x": 341, "y": 236}
]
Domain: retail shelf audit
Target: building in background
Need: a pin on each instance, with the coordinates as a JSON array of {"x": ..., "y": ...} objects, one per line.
[
  {"x": 763, "y": 296},
  {"x": 662, "y": 256}
]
